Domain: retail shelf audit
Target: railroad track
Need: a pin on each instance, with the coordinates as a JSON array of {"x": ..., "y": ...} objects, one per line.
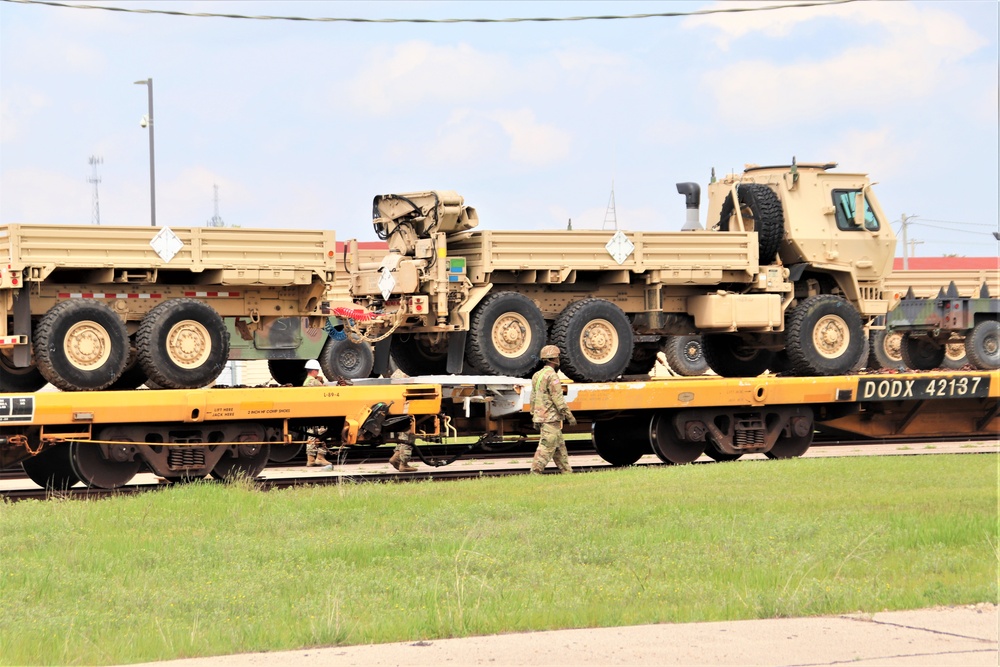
[{"x": 582, "y": 459}]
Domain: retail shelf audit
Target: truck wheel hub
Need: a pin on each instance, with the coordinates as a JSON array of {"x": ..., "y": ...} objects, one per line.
[
  {"x": 189, "y": 344},
  {"x": 87, "y": 345},
  {"x": 510, "y": 335},
  {"x": 831, "y": 337},
  {"x": 599, "y": 341}
]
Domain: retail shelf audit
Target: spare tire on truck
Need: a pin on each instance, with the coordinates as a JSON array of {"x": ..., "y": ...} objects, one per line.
[{"x": 761, "y": 211}]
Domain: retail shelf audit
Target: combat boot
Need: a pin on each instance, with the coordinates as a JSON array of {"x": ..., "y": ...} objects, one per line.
[
  {"x": 394, "y": 460},
  {"x": 406, "y": 467},
  {"x": 321, "y": 460},
  {"x": 310, "y": 460}
]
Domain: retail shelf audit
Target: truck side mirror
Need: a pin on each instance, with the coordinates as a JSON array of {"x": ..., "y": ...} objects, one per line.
[{"x": 859, "y": 210}]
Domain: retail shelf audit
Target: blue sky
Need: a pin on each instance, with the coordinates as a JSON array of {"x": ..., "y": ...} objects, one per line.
[{"x": 301, "y": 124}]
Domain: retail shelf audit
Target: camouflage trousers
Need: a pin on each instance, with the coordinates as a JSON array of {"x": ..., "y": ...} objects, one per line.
[
  {"x": 551, "y": 446},
  {"x": 404, "y": 451},
  {"x": 314, "y": 447}
]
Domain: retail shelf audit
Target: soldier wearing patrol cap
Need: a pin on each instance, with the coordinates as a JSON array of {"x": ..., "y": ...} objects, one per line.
[{"x": 548, "y": 410}]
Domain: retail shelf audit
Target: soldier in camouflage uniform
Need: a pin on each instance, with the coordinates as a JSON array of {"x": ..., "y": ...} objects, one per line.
[
  {"x": 400, "y": 459},
  {"x": 548, "y": 410},
  {"x": 315, "y": 451}
]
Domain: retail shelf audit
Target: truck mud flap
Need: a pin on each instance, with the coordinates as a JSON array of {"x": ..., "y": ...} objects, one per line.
[
  {"x": 381, "y": 364},
  {"x": 456, "y": 352}
]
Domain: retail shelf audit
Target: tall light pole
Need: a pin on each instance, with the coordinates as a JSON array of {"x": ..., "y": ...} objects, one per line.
[{"x": 147, "y": 122}]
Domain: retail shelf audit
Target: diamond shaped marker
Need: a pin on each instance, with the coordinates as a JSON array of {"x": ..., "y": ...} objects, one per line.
[
  {"x": 166, "y": 244},
  {"x": 619, "y": 247},
  {"x": 386, "y": 282}
]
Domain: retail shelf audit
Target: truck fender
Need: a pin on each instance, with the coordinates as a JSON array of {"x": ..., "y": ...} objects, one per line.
[
  {"x": 795, "y": 271},
  {"x": 476, "y": 294}
]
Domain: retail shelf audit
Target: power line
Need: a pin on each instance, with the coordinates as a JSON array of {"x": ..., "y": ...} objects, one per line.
[{"x": 536, "y": 19}]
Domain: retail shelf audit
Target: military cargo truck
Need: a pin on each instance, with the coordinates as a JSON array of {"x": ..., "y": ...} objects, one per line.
[
  {"x": 928, "y": 326},
  {"x": 794, "y": 261},
  {"x": 88, "y": 308},
  {"x": 925, "y": 284}
]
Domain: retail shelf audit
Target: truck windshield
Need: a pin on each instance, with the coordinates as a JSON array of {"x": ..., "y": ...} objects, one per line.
[{"x": 844, "y": 200}]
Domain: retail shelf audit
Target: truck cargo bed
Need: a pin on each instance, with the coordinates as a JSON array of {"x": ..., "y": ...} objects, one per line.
[{"x": 679, "y": 257}]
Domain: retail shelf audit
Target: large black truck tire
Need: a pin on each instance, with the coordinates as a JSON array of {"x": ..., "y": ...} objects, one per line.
[
  {"x": 885, "y": 349},
  {"x": 982, "y": 345},
  {"x": 182, "y": 344},
  {"x": 729, "y": 356},
  {"x": 685, "y": 355},
  {"x": 761, "y": 211},
  {"x": 15, "y": 379},
  {"x": 81, "y": 345},
  {"x": 346, "y": 359},
  {"x": 921, "y": 353},
  {"x": 595, "y": 340},
  {"x": 415, "y": 356},
  {"x": 824, "y": 336},
  {"x": 506, "y": 333}
]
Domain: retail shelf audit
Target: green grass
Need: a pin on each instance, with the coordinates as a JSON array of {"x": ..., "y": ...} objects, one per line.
[{"x": 209, "y": 569}]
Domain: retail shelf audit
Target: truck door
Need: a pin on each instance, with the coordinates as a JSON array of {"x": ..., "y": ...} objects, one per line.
[{"x": 864, "y": 241}]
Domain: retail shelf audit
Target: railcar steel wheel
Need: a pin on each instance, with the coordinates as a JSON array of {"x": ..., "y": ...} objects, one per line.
[
  {"x": 788, "y": 447},
  {"x": 52, "y": 469},
  {"x": 283, "y": 453},
  {"x": 667, "y": 445},
  {"x": 250, "y": 462},
  {"x": 713, "y": 452},
  {"x": 104, "y": 472},
  {"x": 621, "y": 442},
  {"x": 796, "y": 441}
]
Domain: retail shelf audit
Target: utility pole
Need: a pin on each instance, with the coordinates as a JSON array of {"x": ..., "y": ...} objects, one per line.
[
  {"x": 95, "y": 214},
  {"x": 906, "y": 221}
]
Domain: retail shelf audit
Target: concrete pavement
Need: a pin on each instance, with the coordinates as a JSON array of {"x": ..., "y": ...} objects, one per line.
[{"x": 965, "y": 636}]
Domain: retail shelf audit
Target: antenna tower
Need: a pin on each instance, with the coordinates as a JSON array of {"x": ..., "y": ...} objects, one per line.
[
  {"x": 95, "y": 214},
  {"x": 216, "y": 220},
  {"x": 610, "y": 215}
]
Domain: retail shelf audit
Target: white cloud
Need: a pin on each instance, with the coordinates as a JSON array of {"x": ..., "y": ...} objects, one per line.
[
  {"x": 532, "y": 142},
  {"x": 918, "y": 55},
  {"x": 419, "y": 73},
  {"x": 27, "y": 197},
  {"x": 16, "y": 107}
]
